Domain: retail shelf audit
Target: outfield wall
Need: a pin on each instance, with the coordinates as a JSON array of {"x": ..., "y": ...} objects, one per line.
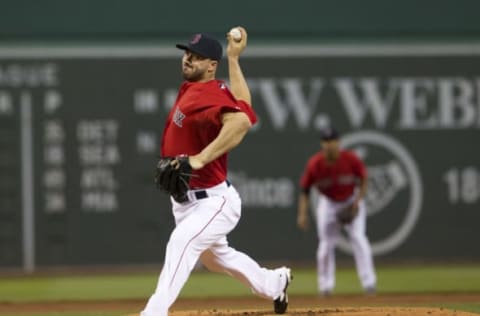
[
  {"x": 80, "y": 127},
  {"x": 301, "y": 20}
]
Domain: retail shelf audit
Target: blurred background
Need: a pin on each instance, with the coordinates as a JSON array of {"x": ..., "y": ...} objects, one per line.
[{"x": 85, "y": 87}]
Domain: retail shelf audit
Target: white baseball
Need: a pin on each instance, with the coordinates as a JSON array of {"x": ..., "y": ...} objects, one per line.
[{"x": 236, "y": 34}]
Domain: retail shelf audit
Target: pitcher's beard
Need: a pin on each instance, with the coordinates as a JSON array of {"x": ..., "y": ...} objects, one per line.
[{"x": 193, "y": 76}]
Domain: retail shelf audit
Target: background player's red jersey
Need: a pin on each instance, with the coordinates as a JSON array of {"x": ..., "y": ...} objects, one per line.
[
  {"x": 336, "y": 180},
  {"x": 195, "y": 121}
]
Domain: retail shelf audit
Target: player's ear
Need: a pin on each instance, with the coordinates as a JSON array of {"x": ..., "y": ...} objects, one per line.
[{"x": 212, "y": 67}]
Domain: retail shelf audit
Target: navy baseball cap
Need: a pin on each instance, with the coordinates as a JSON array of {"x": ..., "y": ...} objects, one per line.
[
  {"x": 329, "y": 133},
  {"x": 204, "y": 45}
]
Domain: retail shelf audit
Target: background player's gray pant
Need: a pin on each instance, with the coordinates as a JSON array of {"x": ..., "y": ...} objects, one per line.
[{"x": 328, "y": 232}]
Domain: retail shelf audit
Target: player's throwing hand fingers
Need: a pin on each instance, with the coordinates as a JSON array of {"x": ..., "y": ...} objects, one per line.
[{"x": 236, "y": 45}]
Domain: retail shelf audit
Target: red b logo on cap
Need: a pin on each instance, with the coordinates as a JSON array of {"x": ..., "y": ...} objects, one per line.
[{"x": 196, "y": 38}]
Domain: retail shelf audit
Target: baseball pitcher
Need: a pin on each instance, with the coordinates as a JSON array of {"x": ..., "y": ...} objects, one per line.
[{"x": 205, "y": 123}]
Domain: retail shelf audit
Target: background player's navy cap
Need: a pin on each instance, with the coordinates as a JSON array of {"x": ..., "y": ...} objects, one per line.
[
  {"x": 204, "y": 45},
  {"x": 329, "y": 133}
]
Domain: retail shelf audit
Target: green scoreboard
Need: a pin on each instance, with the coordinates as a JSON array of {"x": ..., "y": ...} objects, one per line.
[{"x": 80, "y": 131}]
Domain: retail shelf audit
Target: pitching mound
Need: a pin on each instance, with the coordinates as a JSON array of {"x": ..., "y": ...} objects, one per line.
[
  {"x": 337, "y": 305},
  {"x": 352, "y": 311}
]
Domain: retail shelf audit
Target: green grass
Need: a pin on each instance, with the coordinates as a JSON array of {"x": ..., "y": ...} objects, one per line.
[
  {"x": 462, "y": 278},
  {"x": 390, "y": 280},
  {"x": 76, "y": 288},
  {"x": 459, "y": 278}
]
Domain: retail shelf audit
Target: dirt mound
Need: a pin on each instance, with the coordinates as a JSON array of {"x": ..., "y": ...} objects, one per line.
[
  {"x": 336, "y": 305},
  {"x": 351, "y": 311}
]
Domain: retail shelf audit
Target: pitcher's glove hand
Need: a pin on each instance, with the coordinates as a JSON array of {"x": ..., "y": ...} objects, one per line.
[
  {"x": 346, "y": 214},
  {"x": 172, "y": 176}
]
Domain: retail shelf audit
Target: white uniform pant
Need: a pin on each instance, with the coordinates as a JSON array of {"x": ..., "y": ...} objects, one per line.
[
  {"x": 328, "y": 233},
  {"x": 200, "y": 232}
]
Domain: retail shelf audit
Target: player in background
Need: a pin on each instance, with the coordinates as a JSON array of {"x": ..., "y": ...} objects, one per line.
[
  {"x": 340, "y": 178},
  {"x": 205, "y": 123}
]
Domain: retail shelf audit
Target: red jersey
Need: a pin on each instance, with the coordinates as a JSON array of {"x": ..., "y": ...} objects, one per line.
[
  {"x": 195, "y": 121},
  {"x": 336, "y": 180}
]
